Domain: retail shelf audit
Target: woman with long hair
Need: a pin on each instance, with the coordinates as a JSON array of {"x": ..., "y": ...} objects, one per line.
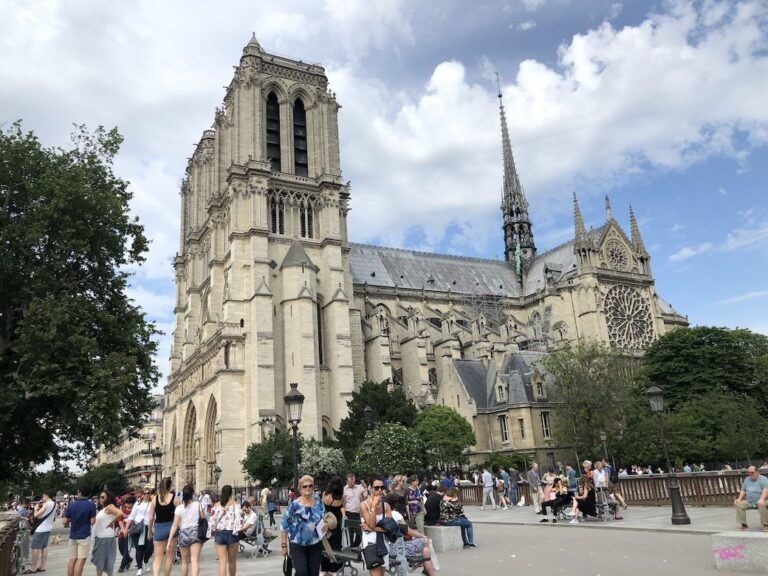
[
  {"x": 104, "y": 549},
  {"x": 373, "y": 510},
  {"x": 186, "y": 519},
  {"x": 137, "y": 528},
  {"x": 452, "y": 514},
  {"x": 299, "y": 527},
  {"x": 584, "y": 501},
  {"x": 227, "y": 521},
  {"x": 159, "y": 525},
  {"x": 333, "y": 500}
]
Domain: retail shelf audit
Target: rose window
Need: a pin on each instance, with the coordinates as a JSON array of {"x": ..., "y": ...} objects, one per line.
[
  {"x": 616, "y": 255},
  {"x": 628, "y": 314}
]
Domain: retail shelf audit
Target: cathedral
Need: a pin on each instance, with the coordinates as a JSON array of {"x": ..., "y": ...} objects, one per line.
[{"x": 270, "y": 291}]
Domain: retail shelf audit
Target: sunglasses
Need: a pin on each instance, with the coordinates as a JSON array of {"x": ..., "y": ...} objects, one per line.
[
  {"x": 146, "y": 493},
  {"x": 378, "y": 487},
  {"x": 308, "y": 486},
  {"x": 102, "y": 497}
]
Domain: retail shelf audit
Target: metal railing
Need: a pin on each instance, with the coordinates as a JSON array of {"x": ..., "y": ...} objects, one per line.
[
  {"x": 697, "y": 489},
  {"x": 11, "y": 555}
]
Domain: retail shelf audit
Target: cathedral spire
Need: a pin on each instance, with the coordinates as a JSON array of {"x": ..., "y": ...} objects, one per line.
[
  {"x": 253, "y": 47},
  {"x": 518, "y": 232},
  {"x": 608, "y": 211},
  {"x": 580, "y": 231},
  {"x": 637, "y": 239}
]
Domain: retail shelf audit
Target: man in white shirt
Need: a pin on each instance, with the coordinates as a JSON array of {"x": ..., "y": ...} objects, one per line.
[
  {"x": 488, "y": 488},
  {"x": 45, "y": 510},
  {"x": 205, "y": 501},
  {"x": 353, "y": 495}
]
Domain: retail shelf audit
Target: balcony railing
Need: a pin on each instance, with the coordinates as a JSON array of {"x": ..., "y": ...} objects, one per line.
[{"x": 697, "y": 489}]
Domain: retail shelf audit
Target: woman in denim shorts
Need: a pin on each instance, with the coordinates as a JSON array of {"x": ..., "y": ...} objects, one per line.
[
  {"x": 227, "y": 521},
  {"x": 186, "y": 518}
]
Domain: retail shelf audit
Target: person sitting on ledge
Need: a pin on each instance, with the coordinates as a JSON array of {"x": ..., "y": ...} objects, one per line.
[{"x": 753, "y": 493}]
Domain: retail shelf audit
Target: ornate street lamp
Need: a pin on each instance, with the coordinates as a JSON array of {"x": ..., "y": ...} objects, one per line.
[
  {"x": 603, "y": 438},
  {"x": 294, "y": 400},
  {"x": 656, "y": 400},
  {"x": 157, "y": 460},
  {"x": 277, "y": 462},
  {"x": 368, "y": 447}
]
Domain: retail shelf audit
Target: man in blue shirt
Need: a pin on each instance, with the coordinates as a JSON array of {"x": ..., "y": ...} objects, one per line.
[
  {"x": 753, "y": 493},
  {"x": 79, "y": 516}
]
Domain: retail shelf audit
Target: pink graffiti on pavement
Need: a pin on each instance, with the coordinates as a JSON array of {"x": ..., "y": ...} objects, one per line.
[{"x": 731, "y": 553}]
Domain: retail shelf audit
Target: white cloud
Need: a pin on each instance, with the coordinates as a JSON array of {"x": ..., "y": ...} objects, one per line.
[
  {"x": 689, "y": 251},
  {"x": 754, "y": 295},
  {"x": 722, "y": 191},
  {"x": 614, "y": 11},
  {"x": 527, "y": 25},
  {"x": 755, "y": 237},
  {"x": 533, "y": 5}
]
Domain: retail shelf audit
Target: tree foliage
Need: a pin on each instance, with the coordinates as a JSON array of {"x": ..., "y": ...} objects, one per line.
[
  {"x": 321, "y": 461},
  {"x": 445, "y": 434},
  {"x": 103, "y": 475},
  {"x": 257, "y": 463},
  {"x": 386, "y": 406},
  {"x": 593, "y": 383},
  {"x": 395, "y": 450},
  {"x": 690, "y": 362},
  {"x": 76, "y": 354}
]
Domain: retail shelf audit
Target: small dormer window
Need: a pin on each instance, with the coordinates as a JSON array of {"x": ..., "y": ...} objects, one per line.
[
  {"x": 540, "y": 389},
  {"x": 500, "y": 393}
]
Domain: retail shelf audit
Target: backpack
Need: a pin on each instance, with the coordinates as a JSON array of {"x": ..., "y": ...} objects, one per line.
[{"x": 614, "y": 476}]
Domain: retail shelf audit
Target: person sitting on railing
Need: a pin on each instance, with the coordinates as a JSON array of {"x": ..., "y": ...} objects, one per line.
[{"x": 753, "y": 494}]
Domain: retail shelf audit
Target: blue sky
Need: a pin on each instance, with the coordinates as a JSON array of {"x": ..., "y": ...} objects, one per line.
[{"x": 660, "y": 105}]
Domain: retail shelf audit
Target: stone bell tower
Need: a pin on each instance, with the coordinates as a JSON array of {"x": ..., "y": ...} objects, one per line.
[{"x": 262, "y": 293}]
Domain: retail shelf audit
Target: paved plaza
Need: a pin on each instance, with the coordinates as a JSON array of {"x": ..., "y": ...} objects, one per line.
[{"x": 513, "y": 541}]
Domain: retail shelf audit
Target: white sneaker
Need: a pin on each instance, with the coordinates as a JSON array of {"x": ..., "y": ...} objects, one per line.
[
  {"x": 574, "y": 521},
  {"x": 570, "y": 513},
  {"x": 482, "y": 507},
  {"x": 138, "y": 572}
]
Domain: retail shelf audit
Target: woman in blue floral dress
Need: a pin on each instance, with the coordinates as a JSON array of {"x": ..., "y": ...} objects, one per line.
[{"x": 299, "y": 526}]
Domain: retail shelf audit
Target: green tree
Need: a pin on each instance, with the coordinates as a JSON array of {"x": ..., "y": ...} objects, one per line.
[
  {"x": 718, "y": 426},
  {"x": 104, "y": 475},
  {"x": 322, "y": 461},
  {"x": 386, "y": 406},
  {"x": 76, "y": 354},
  {"x": 690, "y": 362},
  {"x": 445, "y": 434},
  {"x": 258, "y": 457},
  {"x": 395, "y": 449},
  {"x": 593, "y": 384}
]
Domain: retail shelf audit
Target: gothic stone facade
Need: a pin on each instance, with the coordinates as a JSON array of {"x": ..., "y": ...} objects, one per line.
[{"x": 270, "y": 291}]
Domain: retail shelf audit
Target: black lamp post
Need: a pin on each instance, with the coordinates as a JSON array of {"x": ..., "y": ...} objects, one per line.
[
  {"x": 216, "y": 476},
  {"x": 368, "y": 447},
  {"x": 157, "y": 460},
  {"x": 277, "y": 463},
  {"x": 294, "y": 400},
  {"x": 656, "y": 399},
  {"x": 603, "y": 438}
]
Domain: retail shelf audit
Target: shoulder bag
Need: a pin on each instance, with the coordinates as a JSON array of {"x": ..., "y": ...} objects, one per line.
[
  {"x": 202, "y": 527},
  {"x": 371, "y": 554},
  {"x": 37, "y": 522}
]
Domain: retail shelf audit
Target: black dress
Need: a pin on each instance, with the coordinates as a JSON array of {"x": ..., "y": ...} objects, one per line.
[
  {"x": 334, "y": 538},
  {"x": 588, "y": 505}
]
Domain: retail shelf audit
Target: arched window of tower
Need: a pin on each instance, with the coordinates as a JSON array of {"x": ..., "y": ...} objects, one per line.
[
  {"x": 300, "y": 162},
  {"x": 273, "y": 132}
]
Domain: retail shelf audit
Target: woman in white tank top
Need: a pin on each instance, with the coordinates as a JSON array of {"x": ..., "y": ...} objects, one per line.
[{"x": 104, "y": 544}]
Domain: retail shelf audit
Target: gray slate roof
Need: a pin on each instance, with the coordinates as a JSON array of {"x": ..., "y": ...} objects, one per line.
[
  {"x": 517, "y": 371},
  {"x": 390, "y": 267},
  {"x": 296, "y": 256}
]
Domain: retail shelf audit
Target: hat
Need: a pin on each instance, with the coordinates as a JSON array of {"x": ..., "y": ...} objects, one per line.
[{"x": 330, "y": 520}]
